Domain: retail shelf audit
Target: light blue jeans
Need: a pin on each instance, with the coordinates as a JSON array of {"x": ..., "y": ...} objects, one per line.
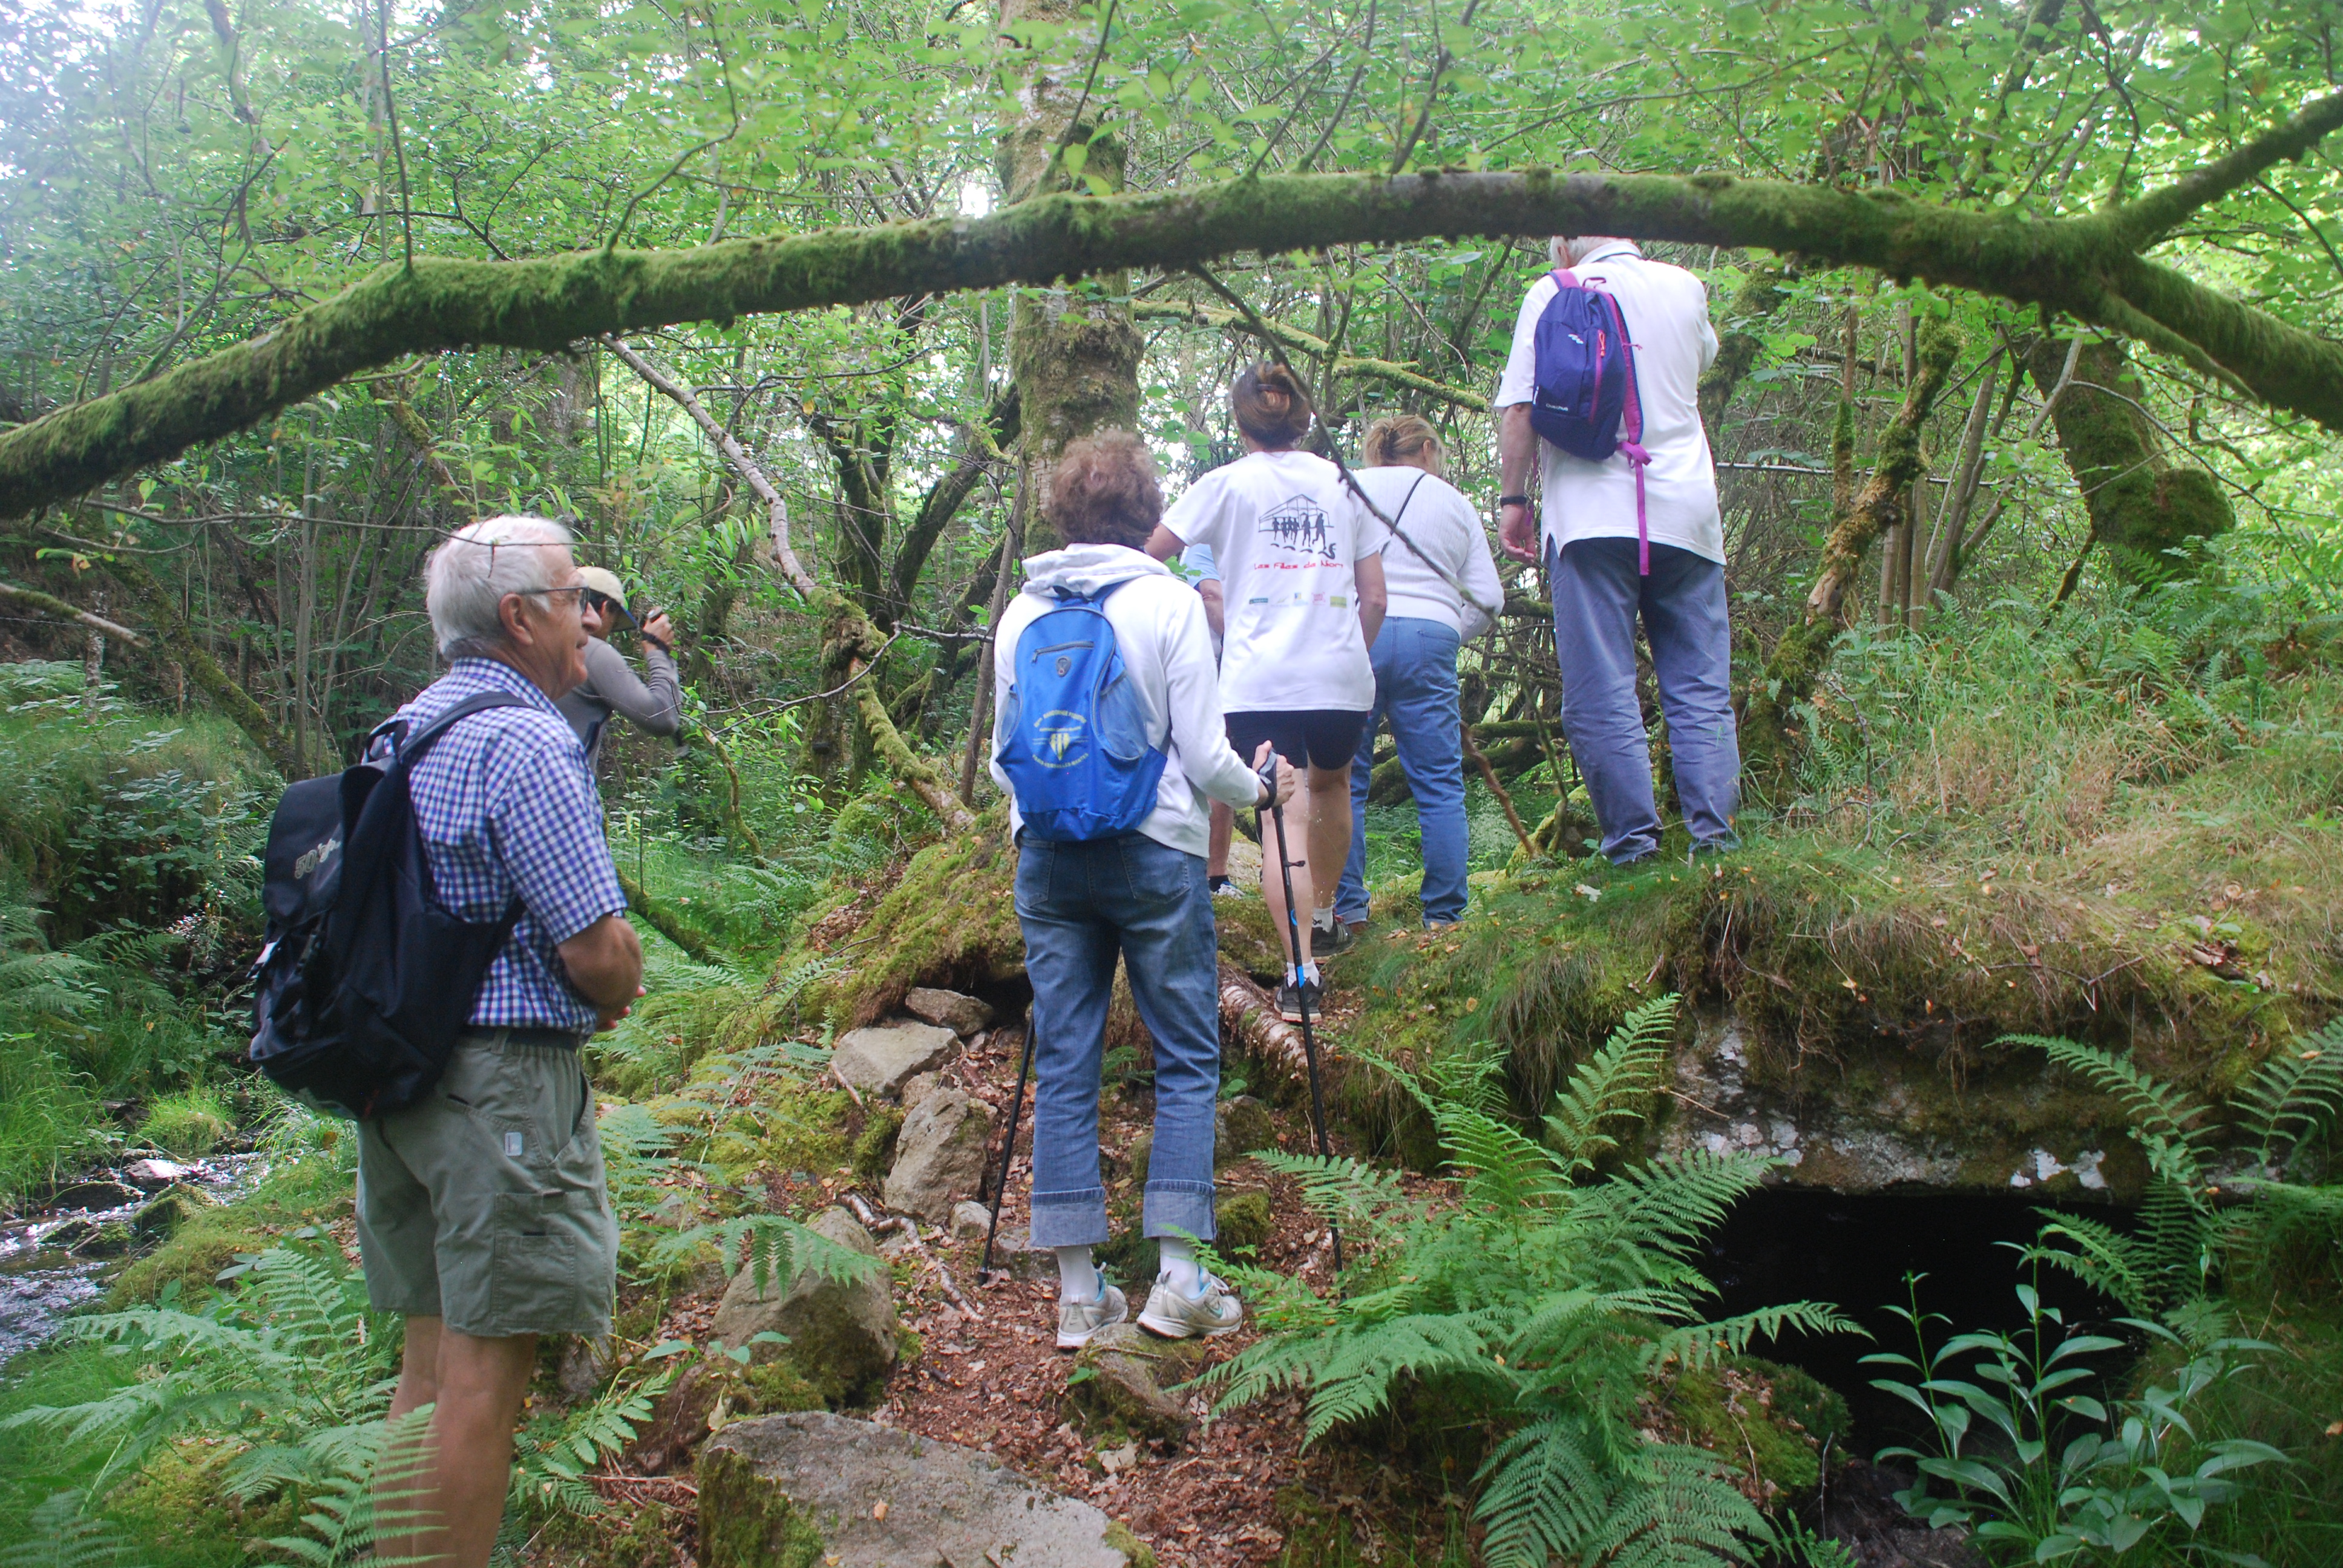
[
  {"x": 1081, "y": 905},
  {"x": 1598, "y": 595},
  {"x": 1415, "y": 688}
]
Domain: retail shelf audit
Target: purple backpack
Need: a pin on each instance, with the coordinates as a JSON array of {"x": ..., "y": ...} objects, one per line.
[{"x": 1586, "y": 401}]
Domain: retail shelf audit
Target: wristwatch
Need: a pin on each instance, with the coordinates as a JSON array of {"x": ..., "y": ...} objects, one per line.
[{"x": 1504, "y": 501}]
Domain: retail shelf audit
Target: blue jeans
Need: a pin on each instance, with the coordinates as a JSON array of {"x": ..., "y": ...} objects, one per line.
[
  {"x": 1596, "y": 598},
  {"x": 1079, "y": 905},
  {"x": 1415, "y": 688}
]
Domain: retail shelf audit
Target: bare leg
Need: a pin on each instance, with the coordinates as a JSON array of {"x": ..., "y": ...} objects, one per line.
[
  {"x": 1330, "y": 831},
  {"x": 1216, "y": 852},
  {"x": 474, "y": 1388},
  {"x": 1297, "y": 850}
]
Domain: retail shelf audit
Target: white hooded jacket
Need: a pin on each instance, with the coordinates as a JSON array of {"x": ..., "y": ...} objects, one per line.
[{"x": 1167, "y": 647}]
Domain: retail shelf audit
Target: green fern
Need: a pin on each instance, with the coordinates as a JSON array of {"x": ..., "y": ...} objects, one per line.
[
  {"x": 2172, "y": 1253},
  {"x": 778, "y": 1247},
  {"x": 2296, "y": 1091},
  {"x": 1547, "y": 1298},
  {"x": 553, "y": 1455},
  {"x": 1616, "y": 1081},
  {"x": 62, "y": 1536}
]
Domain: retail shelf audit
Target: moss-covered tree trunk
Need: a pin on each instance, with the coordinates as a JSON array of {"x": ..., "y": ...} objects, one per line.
[
  {"x": 2139, "y": 501},
  {"x": 1788, "y": 678},
  {"x": 1073, "y": 350}
]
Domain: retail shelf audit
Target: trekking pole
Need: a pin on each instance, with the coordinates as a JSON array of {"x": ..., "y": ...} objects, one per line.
[
  {"x": 1007, "y": 1151},
  {"x": 1309, "y": 1040}
]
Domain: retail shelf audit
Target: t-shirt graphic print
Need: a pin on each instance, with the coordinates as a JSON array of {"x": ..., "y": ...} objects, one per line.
[{"x": 1287, "y": 536}]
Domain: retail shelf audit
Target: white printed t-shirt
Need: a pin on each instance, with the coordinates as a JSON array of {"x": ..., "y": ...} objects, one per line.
[
  {"x": 1287, "y": 536},
  {"x": 1666, "y": 310}
]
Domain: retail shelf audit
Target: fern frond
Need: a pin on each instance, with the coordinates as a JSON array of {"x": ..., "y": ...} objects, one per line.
[
  {"x": 2168, "y": 1255},
  {"x": 60, "y": 1535},
  {"x": 1351, "y": 1192},
  {"x": 2172, "y": 1127},
  {"x": 1614, "y": 1082},
  {"x": 1546, "y": 1495},
  {"x": 778, "y": 1247},
  {"x": 1503, "y": 1169},
  {"x": 1699, "y": 1345},
  {"x": 2297, "y": 1091}
]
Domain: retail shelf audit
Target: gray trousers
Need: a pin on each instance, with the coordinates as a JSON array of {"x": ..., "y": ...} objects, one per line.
[{"x": 1597, "y": 597}]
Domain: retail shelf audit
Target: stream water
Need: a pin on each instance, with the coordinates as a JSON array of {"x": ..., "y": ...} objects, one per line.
[{"x": 53, "y": 1250}]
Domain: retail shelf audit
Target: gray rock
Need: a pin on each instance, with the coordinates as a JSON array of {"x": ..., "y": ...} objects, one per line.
[
  {"x": 969, "y": 1220},
  {"x": 842, "y": 1332},
  {"x": 939, "y": 1155},
  {"x": 808, "y": 1488},
  {"x": 586, "y": 1361},
  {"x": 1129, "y": 1367},
  {"x": 157, "y": 1172},
  {"x": 1240, "y": 1126},
  {"x": 919, "y": 1086},
  {"x": 964, "y": 1015},
  {"x": 880, "y": 1059},
  {"x": 1015, "y": 1256}
]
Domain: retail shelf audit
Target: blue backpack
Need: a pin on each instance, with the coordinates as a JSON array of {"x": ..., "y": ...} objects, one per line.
[
  {"x": 1586, "y": 401},
  {"x": 1074, "y": 733}
]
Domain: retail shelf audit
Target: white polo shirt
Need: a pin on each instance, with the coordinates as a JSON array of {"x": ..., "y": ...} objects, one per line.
[{"x": 1666, "y": 310}]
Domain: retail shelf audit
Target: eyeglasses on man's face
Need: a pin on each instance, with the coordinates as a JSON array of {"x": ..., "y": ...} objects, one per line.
[{"x": 576, "y": 593}]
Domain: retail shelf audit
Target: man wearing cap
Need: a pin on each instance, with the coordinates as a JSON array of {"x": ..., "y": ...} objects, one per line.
[{"x": 611, "y": 685}]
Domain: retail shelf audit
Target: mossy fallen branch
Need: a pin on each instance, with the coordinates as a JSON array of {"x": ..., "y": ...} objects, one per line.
[
  {"x": 1386, "y": 370},
  {"x": 2088, "y": 268}
]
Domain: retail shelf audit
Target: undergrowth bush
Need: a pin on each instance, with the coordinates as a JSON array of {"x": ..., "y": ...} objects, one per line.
[{"x": 1544, "y": 1299}]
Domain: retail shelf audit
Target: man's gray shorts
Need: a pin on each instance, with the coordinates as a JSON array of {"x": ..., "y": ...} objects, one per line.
[{"x": 484, "y": 1205}]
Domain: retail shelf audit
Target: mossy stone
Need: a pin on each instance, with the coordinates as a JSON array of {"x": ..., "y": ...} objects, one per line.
[
  {"x": 745, "y": 1522},
  {"x": 1245, "y": 1220}
]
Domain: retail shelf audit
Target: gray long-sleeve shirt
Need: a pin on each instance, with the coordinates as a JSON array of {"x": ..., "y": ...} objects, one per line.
[{"x": 612, "y": 687}]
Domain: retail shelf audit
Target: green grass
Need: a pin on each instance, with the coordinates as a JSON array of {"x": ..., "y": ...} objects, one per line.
[{"x": 190, "y": 1123}]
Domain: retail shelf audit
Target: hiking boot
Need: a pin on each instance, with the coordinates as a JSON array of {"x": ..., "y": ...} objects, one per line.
[
  {"x": 1172, "y": 1315},
  {"x": 1290, "y": 997},
  {"x": 1078, "y": 1320},
  {"x": 1325, "y": 941}
]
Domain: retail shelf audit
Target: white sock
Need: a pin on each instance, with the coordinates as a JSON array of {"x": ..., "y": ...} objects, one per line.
[
  {"x": 1310, "y": 968},
  {"x": 1323, "y": 917},
  {"x": 1078, "y": 1277},
  {"x": 1179, "y": 1268}
]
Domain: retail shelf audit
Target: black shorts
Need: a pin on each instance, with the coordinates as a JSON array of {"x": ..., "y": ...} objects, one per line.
[{"x": 1317, "y": 737}]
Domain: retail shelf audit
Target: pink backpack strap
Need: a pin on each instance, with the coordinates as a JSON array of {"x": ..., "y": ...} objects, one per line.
[{"x": 1632, "y": 444}]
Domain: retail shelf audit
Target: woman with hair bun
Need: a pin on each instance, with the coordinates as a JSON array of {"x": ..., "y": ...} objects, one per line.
[
  {"x": 1303, "y": 584},
  {"x": 1443, "y": 589}
]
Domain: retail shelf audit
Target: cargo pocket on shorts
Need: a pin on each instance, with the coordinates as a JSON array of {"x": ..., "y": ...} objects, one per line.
[{"x": 534, "y": 1285}]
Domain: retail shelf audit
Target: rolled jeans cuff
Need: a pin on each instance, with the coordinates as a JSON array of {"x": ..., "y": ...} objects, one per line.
[
  {"x": 1180, "y": 1209},
  {"x": 1073, "y": 1219}
]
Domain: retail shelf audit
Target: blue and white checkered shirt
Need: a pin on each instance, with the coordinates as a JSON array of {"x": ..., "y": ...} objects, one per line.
[{"x": 506, "y": 806}]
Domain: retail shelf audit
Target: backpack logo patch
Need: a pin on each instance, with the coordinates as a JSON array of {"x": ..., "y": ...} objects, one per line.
[
  {"x": 1060, "y": 733},
  {"x": 316, "y": 858}
]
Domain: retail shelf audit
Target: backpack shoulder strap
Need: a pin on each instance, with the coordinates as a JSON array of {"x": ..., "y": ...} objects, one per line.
[
  {"x": 1446, "y": 575},
  {"x": 408, "y": 749}
]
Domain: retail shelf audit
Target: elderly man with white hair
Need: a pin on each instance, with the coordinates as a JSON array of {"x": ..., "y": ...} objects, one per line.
[
  {"x": 1597, "y": 518},
  {"x": 483, "y": 1215}
]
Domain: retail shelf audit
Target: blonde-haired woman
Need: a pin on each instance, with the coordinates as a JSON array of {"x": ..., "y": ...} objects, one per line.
[{"x": 1442, "y": 590}]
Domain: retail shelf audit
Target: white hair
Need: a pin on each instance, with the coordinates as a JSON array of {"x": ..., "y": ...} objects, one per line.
[
  {"x": 467, "y": 577},
  {"x": 1565, "y": 249}
]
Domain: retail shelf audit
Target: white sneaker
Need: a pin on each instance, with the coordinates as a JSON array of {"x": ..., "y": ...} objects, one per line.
[
  {"x": 1174, "y": 1315},
  {"x": 1078, "y": 1320}
]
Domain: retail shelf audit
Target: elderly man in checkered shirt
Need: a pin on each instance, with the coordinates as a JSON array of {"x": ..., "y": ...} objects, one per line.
[{"x": 483, "y": 1214}]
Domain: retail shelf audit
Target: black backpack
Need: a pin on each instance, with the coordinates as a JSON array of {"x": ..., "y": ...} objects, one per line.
[{"x": 367, "y": 981}]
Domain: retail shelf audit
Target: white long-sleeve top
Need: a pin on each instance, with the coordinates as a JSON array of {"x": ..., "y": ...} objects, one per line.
[
  {"x": 1437, "y": 520},
  {"x": 1167, "y": 647}
]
